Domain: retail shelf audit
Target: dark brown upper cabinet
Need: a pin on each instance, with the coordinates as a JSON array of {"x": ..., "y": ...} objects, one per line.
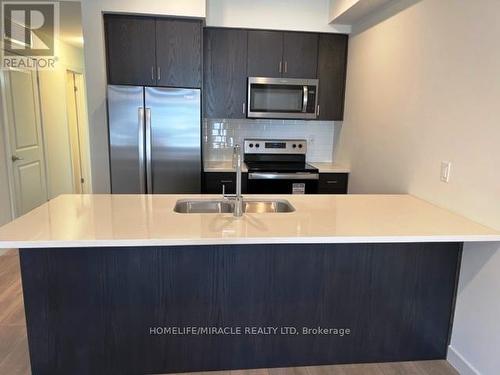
[
  {"x": 225, "y": 72},
  {"x": 178, "y": 52},
  {"x": 130, "y": 47},
  {"x": 282, "y": 54},
  {"x": 153, "y": 51},
  {"x": 265, "y": 53},
  {"x": 332, "y": 63},
  {"x": 300, "y": 55}
]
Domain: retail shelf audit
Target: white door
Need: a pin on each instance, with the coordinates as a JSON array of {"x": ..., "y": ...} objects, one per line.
[{"x": 24, "y": 138}]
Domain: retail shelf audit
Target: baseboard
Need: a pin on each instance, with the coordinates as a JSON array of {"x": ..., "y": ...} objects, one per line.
[{"x": 460, "y": 363}]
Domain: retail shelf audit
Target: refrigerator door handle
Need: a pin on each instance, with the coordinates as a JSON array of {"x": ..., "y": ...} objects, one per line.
[
  {"x": 149, "y": 171},
  {"x": 140, "y": 141}
]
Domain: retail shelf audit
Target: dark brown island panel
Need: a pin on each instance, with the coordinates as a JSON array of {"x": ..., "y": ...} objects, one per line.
[{"x": 128, "y": 310}]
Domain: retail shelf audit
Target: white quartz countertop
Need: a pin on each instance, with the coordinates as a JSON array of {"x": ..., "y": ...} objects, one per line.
[
  {"x": 328, "y": 167},
  {"x": 149, "y": 220},
  {"x": 227, "y": 166},
  {"x": 222, "y": 166}
]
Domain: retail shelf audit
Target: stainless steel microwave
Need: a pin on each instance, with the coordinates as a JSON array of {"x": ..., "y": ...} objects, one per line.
[{"x": 285, "y": 98}]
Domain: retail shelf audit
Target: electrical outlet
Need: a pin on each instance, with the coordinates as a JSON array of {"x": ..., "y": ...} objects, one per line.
[
  {"x": 311, "y": 139},
  {"x": 445, "y": 171}
]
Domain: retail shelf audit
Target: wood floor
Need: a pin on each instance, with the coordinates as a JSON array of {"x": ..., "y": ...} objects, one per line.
[{"x": 14, "y": 358}]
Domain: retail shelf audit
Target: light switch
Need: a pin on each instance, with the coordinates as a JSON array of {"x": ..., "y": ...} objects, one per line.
[{"x": 445, "y": 171}]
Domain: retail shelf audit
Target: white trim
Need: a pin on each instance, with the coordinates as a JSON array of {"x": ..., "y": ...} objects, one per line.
[
  {"x": 8, "y": 153},
  {"x": 44, "y": 145},
  {"x": 460, "y": 364}
]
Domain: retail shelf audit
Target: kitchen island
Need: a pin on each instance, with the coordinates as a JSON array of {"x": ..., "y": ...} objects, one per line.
[{"x": 121, "y": 284}]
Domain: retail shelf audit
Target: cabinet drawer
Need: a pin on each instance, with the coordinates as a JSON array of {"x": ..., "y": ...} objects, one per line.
[
  {"x": 333, "y": 183},
  {"x": 214, "y": 181}
]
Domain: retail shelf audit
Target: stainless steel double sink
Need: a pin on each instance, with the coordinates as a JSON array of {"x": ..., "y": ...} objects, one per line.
[{"x": 219, "y": 206}]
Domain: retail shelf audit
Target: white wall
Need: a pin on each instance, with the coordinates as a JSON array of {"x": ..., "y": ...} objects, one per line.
[
  {"x": 308, "y": 15},
  {"x": 422, "y": 87},
  {"x": 95, "y": 65}
]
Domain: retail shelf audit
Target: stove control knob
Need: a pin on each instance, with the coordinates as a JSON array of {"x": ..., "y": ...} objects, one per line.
[
  {"x": 300, "y": 146},
  {"x": 257, "y": 145},
  {"x": 251, "y": 145},
  {"x": 294, "y": 145}
]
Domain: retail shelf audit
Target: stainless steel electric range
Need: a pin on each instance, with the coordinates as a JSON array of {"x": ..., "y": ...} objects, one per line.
[{"x": 279, "y": 167}]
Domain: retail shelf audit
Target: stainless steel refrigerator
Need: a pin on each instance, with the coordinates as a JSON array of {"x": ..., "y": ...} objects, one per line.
[{"x": 155, "y": 139}]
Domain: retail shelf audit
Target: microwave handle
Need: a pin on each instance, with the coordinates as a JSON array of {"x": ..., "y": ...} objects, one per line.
[{"x": 305, "y": 98}]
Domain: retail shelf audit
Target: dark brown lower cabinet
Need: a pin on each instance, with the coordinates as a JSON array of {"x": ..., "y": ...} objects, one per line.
[
  {"x": 329, "y": 183},
  {"x": 140, "y": 310},
  {"x": 333, "y": 183},
  {"x": 215, "y": 182}
]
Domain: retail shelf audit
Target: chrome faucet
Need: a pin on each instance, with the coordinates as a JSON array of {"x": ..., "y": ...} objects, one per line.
[
  {"x": 238, "y": 206},
  {"x": 238, "y": 199}
]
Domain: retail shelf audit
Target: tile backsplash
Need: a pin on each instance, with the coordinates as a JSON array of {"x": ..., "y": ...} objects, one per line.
[{"x": 220, "y": 135}]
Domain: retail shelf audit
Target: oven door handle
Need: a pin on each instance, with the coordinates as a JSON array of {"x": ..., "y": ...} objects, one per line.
[
  {"x": 282, "y": 176},
  {"x": 305, "y": 99}
]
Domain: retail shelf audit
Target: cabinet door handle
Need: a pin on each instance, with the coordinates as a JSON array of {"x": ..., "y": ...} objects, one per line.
[
  {"x": 332, "y": 182},
  {"x": 152, "y": 73},
  {"x": 317, "y": 110},
  {"x": 281, "y": 63},
  {"x": 286, "y": 66},
  {"x": 159, "y": 74},
  {"x": 244, "y": 108},
  {"x": 226, "y": 181}
]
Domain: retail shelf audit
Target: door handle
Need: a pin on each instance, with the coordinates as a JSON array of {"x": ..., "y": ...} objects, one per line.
[
  {"x": 281, "y": 63},
  {"x": 159, "y": 73},
  {"x": 286, "y": 66},
  {"x": 149, "y": 175},
  {"x": 305, "y": 98},
  {"x": 283, "y": 176},
  {"x": 16, "y": 158},
  {"x": 140, "y": 139}
]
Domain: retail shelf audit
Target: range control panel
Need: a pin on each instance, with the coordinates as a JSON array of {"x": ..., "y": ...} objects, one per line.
[{"x": 275, "y": 146}]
